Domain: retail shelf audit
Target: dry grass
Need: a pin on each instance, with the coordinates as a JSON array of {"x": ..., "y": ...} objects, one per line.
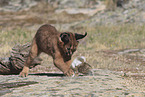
[
  {"x": 118, "y": 37},
  {"x": 10, "y": 38},
  {"x": 103, "y": 39},
  {"x": 99, "y": 38}
]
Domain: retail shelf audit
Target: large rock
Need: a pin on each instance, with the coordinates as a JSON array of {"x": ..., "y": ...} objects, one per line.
[
  {"x": 76, "y": 3},
  {"x": 16, "y": 5},
  {"x": 132, "y": 12}
]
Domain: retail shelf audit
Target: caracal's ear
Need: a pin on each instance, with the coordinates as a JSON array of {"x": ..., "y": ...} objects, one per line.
[
  {"x": 80, "y": 36},
  {"x": 64, "y": 37}
]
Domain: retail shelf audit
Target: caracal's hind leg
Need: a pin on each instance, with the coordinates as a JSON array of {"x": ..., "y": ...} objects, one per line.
[{"x": 34, "y": 52}]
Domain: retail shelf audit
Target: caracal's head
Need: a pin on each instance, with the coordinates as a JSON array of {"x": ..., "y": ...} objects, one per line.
[{"x": 69, "y": 41}]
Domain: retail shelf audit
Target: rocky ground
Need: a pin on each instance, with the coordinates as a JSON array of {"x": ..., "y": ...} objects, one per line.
[
  {"x": 70, "y": 14},
  {"x": 103, "y": 83},
  {"x": 132, "y": 12}
]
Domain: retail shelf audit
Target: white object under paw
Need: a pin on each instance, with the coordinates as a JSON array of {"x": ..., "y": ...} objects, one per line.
[{"x": 78, "y": 61}]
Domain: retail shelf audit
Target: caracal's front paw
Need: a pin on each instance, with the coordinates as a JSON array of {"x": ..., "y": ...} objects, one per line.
[
  {"x": 70, "y": 73},
  {"x": 24, "y": 72}
]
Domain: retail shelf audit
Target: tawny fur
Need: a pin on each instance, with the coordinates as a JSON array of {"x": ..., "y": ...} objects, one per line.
[{"x": 60, "y": 46}]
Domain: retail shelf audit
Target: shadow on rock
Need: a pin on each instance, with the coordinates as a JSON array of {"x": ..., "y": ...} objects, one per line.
[{"x": 49, "y": 74}]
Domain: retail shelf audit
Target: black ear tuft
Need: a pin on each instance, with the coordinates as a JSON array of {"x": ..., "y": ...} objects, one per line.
[
  {"x": 64, "y": 37},
  {"x": 80, "y": 36}
]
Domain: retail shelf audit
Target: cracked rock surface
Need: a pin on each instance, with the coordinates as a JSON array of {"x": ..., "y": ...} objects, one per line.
[{"x": 103, "y": 83}]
